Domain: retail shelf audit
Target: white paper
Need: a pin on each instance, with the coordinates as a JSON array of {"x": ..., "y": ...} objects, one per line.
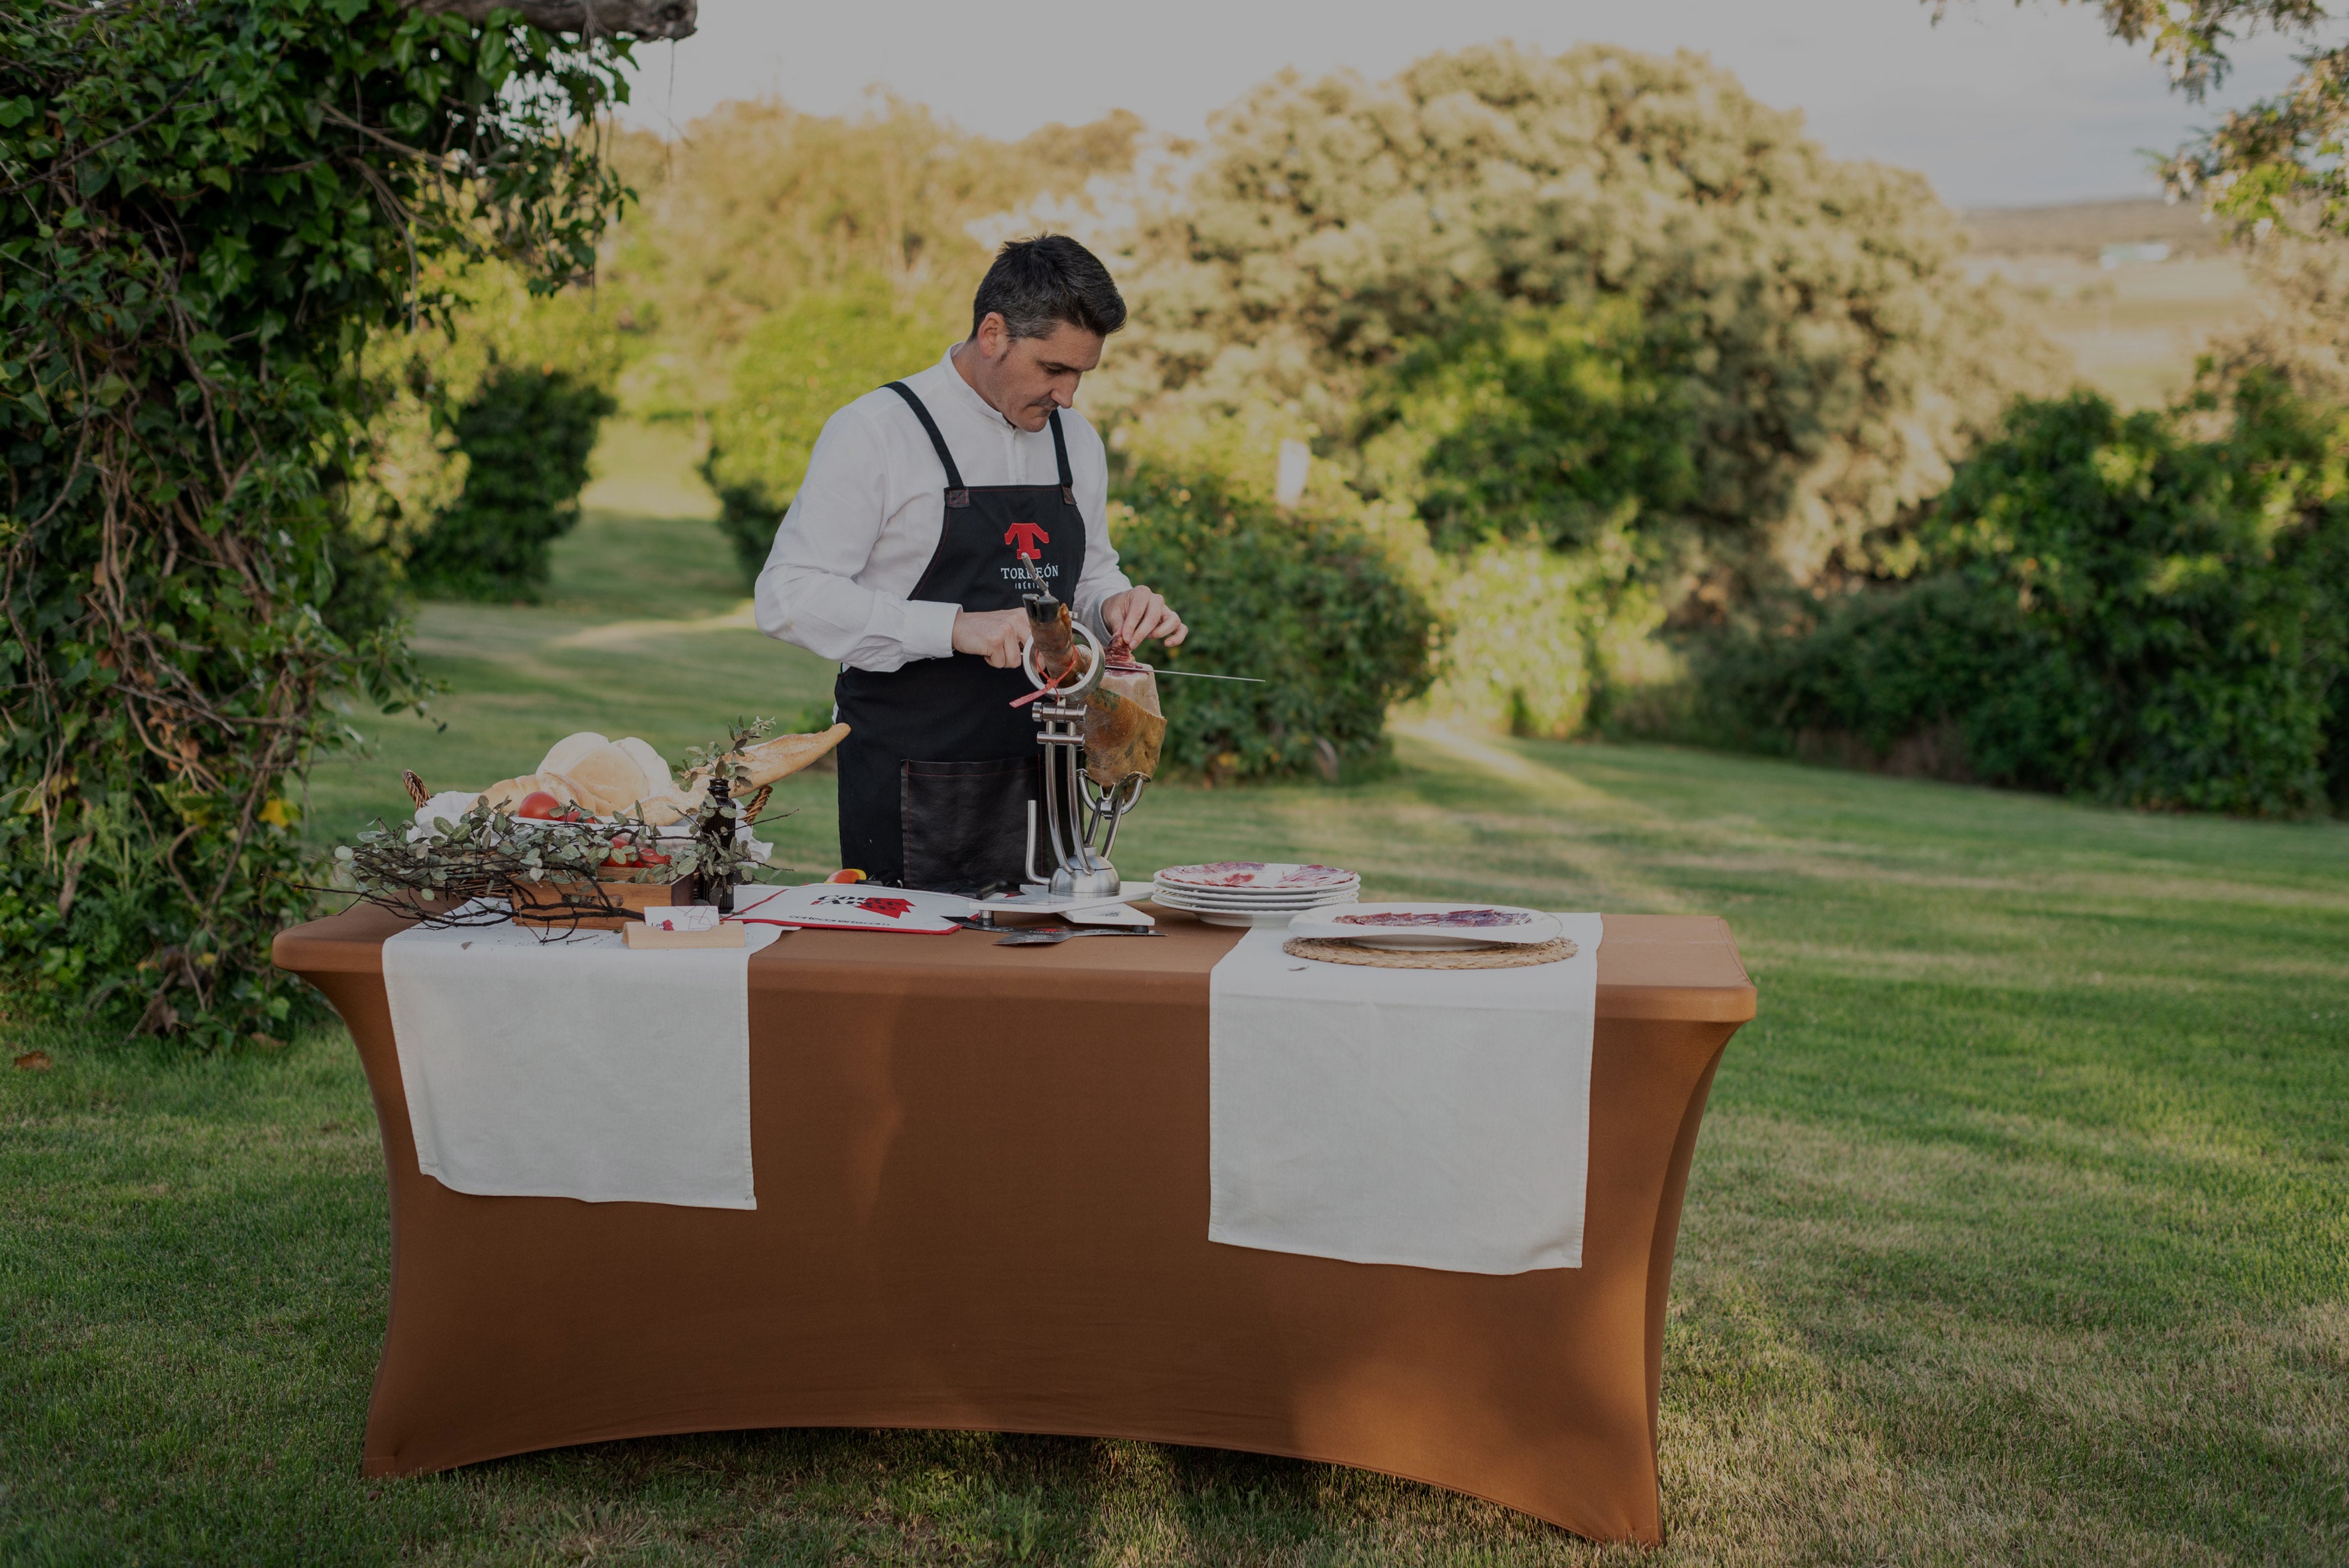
[
  {"x": 855, "y": 906},
  {"x": 576, "y": 1067},
  {"x": 1434, "y": 1118}
]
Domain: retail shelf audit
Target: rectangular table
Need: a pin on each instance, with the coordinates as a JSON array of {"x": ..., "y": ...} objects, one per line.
[{"x": 982, "y": 1186}]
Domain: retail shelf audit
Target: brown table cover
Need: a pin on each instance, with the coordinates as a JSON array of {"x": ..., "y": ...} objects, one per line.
[{"x": 982, "y": 1182}]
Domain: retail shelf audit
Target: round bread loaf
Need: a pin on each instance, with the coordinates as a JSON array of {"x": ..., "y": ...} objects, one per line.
[
  {"x": 650, "y": 763},
  {"x": 609, "y": 779},
  {"x": 566, "y": 753}
]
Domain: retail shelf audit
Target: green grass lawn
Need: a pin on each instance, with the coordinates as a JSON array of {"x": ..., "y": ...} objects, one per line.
[{"x": 2019, "y": 1231}]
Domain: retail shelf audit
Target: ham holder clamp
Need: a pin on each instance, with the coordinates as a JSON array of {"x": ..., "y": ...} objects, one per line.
[{"x": 1098, "y": 720}]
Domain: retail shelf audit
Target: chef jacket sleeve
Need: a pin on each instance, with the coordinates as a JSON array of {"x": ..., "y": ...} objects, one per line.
[
  {"x": 808, "y": 594},
  {"x": 1101, "y": 577}
]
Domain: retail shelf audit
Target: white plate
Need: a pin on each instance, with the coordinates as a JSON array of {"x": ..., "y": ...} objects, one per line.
[
  {"x": 1326, "y": 923},
  {"x": 1276, "y": 919},
  {"x": 1233, "y": 907},
  {"x": 1259, "y": 894},
  {"x": 1262, "y": 900},
  {"x": 1317, "y": 891},
  {"x": 1267, "y": 876}
]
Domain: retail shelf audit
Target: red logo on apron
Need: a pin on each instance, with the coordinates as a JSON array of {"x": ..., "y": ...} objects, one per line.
[
  {"x": 1028, "y": 540},
  {"x": 894, "y": 908}
]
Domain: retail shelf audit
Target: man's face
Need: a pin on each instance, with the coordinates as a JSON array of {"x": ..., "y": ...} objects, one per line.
[{"x": 1027, "y": 377}]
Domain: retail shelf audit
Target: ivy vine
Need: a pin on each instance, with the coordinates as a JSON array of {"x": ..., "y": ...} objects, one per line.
[{"x": 206, "y": 208}]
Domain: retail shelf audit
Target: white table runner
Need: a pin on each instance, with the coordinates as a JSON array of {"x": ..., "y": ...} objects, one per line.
[
  {"x": 1434, "y": 1117},
  {"x": 576, "y": 1068}
]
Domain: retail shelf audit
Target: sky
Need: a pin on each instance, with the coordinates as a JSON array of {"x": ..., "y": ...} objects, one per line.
[{"x": 1998, "y": 106}]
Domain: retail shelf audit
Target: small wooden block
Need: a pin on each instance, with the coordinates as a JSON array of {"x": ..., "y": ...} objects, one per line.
[{"x": 638, "y": 934}]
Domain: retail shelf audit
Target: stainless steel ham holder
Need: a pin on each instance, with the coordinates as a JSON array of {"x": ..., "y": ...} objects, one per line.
[{"x": 1067, "y": 664}]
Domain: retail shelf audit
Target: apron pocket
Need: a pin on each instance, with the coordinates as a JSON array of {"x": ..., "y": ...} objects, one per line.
[{"x": 966, "y": 823}]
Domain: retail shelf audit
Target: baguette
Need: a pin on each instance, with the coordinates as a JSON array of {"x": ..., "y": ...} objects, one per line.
[{"x": 787, "y": 754}]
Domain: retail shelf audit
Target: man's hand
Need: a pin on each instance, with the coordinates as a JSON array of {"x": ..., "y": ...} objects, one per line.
[
  {"x": 996, "y": 635},
  {"x": 1138, "y": 615}
]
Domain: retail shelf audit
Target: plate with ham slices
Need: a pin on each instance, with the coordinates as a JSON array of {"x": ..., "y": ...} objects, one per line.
[{"x": 1410, "y": 927}]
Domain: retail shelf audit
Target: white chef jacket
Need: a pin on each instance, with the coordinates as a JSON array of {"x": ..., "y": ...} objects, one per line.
[{"x": 867, "y": 518}]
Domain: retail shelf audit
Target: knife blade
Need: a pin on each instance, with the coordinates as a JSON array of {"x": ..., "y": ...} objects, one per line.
[{"x": 1202, "y": 674}]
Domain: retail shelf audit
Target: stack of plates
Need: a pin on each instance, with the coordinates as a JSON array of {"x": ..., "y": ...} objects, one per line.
[{"x": 1253, "y": 893}]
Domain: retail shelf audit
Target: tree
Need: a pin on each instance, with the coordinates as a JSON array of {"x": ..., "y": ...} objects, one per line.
[
  {"x": 1601, "y": 300},
  {"x": 2275, "y": 165},
  {"x": 210, "y": 207},
  {"x": 759, "y": 206}
]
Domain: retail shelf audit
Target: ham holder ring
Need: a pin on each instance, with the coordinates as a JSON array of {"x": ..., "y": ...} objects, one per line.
[{"x": 1077, "y": 810}]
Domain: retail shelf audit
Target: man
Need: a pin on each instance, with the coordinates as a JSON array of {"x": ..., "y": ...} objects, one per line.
[{"x": 930, "y": 506}]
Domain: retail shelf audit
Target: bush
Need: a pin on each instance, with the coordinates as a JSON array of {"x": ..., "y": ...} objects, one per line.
[
  {"x": 526, "y": 435},
  {"x": 1312, "y": 605},
  {"x": 411, "y": 468},
  {"x": 823, "y": 351},
  {"x": 2111, "y": 608},
  {"x": 748, "y": 516}
]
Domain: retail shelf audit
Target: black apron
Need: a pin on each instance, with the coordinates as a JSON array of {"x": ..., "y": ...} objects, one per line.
[{"x": 939, "y": 768}]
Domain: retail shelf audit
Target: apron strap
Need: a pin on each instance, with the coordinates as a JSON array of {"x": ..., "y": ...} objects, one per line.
[
  {"x": 1060, "y": 451},
  {"x": 958, "y": 493}
]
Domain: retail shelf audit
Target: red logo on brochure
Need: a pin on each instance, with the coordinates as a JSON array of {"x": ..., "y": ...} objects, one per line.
[
  {"x": 1027, "y": 540},
  {"x": 894, "y": 908}
]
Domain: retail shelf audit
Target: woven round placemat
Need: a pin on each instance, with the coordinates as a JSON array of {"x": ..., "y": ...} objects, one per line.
[{"x": 1430, "y": 958}]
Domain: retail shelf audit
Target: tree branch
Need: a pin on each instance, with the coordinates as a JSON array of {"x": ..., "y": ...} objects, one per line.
[{"x": 636, "y": 18}]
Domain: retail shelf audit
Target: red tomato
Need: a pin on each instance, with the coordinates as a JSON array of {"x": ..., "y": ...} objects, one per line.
[
  {"x": 848, "y": 875},
  {"x": 538, "y": 803},
  {"x": 651, "y": 857}
]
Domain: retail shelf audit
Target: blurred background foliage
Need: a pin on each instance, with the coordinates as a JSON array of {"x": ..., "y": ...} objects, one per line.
[
  {"x": 525, "y": 438},
  {"x": 758, "y": 206},
  {"x": 2108, "y": 605},
  {"x": 1317, "y": 599},
  {"x": 824, "y": 349},
  {"x": 1632, "y": 411},
  {"x": 510, "y": 383},
  {"x": 1601, "y": 300}
]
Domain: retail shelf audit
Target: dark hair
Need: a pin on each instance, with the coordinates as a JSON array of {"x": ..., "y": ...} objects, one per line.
[{"x": 1036, "y": 285}]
